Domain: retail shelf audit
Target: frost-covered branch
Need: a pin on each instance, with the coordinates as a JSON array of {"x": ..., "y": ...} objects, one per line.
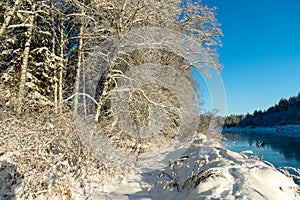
[{"x": 82, "y": 94}]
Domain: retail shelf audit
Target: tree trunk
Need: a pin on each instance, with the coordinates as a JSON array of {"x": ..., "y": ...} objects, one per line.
[
  {"x": 24, "y": 65},
  {"x": 8, "y": 18},
  {"x": 62, "y": 44},
  {"x": 104, "y": 94},
  {"x": 79, "y": 63},
  {"x": 53, "y": 54}
]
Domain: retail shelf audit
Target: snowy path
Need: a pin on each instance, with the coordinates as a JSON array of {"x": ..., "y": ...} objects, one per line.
[{"x": 222, "y": 174}]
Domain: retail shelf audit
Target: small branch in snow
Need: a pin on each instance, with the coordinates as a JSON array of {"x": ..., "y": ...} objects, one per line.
[{"x": 20, "y": 25}]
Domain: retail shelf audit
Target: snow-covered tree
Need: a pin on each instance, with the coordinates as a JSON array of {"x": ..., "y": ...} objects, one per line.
[{"x": 64, "y": 32}]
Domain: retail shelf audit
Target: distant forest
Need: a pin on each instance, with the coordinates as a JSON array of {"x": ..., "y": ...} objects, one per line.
[{"x": 286, "y": 111}]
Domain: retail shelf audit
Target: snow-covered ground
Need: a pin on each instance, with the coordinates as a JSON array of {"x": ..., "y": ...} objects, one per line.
[
  {"x": 204, "y": 172},
  {"x": 286, "y": 130}
]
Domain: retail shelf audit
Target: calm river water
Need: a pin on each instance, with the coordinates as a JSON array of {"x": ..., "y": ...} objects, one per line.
[{"x": 279, "y": 150}]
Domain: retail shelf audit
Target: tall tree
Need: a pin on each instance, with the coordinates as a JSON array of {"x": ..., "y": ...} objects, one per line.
[
  {"x": 26, "y": 52},
  {"x": 65, "y": 32}
]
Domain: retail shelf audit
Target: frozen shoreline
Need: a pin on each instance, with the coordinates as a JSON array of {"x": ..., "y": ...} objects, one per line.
[
  {"x": 292, "y": 130},
  {"x": 222, "y": 174},
  {"x": 229, "y": 176}
]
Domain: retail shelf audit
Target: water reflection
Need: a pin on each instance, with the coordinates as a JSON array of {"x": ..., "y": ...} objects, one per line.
[{"x": 279, "y": 150}]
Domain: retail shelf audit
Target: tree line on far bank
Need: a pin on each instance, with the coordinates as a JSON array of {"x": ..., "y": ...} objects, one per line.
[{"x": 286, "y": 111}]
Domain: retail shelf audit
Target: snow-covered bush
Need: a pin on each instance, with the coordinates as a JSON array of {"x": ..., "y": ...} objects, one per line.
[{"x": 43, "y": 154}]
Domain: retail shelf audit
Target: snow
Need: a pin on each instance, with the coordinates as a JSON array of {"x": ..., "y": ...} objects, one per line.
[
  {"x": 292, "y": 130},
  {"x": 203, "y": 172}
]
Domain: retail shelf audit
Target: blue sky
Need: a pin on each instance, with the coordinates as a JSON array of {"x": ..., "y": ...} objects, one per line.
[{"x": 260, "y": 52}]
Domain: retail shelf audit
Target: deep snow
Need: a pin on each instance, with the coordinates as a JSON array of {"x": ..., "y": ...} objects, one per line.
[{"x": 218, "y": 174}]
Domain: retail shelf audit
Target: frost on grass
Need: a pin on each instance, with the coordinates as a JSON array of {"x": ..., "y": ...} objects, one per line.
[{"x": 41, "y": 156}]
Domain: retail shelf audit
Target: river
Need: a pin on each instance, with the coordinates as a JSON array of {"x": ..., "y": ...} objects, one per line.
[{"x": 278, "y": 150}]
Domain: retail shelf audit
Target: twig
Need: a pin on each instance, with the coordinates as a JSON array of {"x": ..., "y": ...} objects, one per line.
[{"x": 83, "y": 94}]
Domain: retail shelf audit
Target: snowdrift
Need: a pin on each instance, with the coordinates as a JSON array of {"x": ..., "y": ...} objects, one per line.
[{"x": 217, "y": 174}]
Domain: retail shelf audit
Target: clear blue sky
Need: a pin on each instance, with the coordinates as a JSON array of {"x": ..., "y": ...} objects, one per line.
[{"x": 260, "y": 53}]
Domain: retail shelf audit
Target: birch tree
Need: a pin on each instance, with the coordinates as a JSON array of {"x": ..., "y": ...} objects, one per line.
[
  {"x": 26, "y": 52},
  {"x": 9, "y": 14},
  {"x": 80, "y": 55},
  {"x": 33, "y": 49},
  {"x": 75, "y": 28},
  {"x": 53, "y": 50}
]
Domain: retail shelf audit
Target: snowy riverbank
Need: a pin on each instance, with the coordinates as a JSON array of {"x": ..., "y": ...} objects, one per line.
[
  {"x": 203, "y": 172},
  {"x": 222, "y": 174},
  {"x": 285, "y": 130}
]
